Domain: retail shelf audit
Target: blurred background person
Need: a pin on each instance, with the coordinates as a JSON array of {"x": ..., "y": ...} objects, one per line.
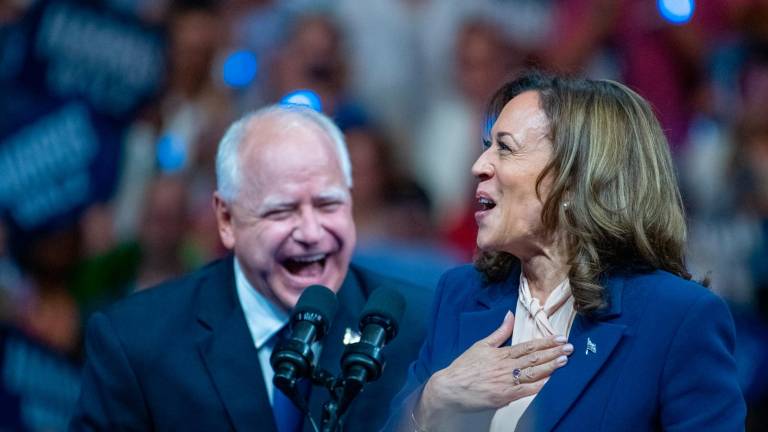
[
  {"x": 393, "y": 213},
  {"x": 446, "y": 144}
]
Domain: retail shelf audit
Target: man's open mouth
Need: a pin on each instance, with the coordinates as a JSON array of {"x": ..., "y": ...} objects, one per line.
[{"x": 306, "y": 265}]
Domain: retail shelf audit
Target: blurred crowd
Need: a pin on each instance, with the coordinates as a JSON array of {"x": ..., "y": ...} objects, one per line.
[{"x": 406, "y": 80}]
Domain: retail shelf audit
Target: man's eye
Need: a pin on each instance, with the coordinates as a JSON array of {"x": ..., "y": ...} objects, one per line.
[
  {"x": 330, "y": 205},
  {"x": 278, "y": 214}
]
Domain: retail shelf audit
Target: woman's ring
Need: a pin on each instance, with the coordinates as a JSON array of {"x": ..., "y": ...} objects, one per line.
[{"x": 516, "y": 375}]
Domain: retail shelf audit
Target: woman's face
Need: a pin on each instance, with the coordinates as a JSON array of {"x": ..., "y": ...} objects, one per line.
[{"x": 509, "y": 215}]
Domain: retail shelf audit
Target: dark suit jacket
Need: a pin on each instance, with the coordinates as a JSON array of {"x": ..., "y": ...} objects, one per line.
[
  {"x": 663, "y": 357},
  {"x": 180, "y": 357}
]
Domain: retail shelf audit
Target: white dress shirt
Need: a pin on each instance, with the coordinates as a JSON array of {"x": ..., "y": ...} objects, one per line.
[{"x": 264, "y": 322}]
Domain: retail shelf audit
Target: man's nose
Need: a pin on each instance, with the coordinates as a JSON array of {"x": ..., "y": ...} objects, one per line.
[{"x": 309, "y": 230}]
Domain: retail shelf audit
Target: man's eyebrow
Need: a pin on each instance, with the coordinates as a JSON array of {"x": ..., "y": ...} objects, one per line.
[
  {"x": 332, "y": 194},
  {"x": 275, "y": 203}
]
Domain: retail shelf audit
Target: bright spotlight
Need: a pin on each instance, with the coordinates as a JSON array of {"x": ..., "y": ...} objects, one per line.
[
  {"x": 676, "y": 11},
  {"x": 171, "y": 153},
  {"x": 305, "y": 97},
  {"x": 240, "y": 68}
]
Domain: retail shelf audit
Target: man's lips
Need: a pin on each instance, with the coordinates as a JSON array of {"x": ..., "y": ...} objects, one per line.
[{"x": 306, "y": 265}]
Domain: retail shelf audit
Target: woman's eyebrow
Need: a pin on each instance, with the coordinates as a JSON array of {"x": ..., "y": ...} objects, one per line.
[{"x": 500, "y": 135}]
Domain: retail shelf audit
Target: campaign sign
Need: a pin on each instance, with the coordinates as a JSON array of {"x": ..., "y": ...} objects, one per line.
[
  {"x": 74, "y": 73},
  {"x": 55, "y": 160},
  {"x": 84, "y": 50},
  {"x": 40, "y": 387}
]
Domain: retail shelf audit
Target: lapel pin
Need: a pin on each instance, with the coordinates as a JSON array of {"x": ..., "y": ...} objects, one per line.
[
  {"x": 350, "y": 336},
  {"x": 590, "y": 347}
]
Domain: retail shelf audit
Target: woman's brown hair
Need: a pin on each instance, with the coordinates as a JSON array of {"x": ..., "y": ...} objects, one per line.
[{"x": 612, "y": 169}]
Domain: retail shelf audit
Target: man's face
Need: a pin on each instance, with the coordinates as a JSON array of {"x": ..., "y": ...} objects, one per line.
[{"x": 290, "y": 225}]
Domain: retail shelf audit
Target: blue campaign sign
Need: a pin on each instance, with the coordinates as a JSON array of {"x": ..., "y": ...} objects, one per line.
[
  {"x": 74, "y": 73},
  {"x": 80, "y": 49},
  {"x": 39, "y": 387},
  {"x": 56, "y": 158}
]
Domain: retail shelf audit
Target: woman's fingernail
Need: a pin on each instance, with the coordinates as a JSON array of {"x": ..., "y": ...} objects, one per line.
[
  {"x": 508, "y": 315},
  {"x": 568, "y": 348},
  {"x": 561, "y": 339},
  {"x": 561, "y": 360}
]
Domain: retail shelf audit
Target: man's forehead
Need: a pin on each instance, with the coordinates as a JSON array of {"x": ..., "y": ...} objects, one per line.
[{"x": 273, "y": 128}]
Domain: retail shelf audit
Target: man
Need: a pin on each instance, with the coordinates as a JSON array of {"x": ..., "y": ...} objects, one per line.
[{"x": 193, "y": 354}]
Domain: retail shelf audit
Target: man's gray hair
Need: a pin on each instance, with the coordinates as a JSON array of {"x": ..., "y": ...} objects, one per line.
[{"x": 228, "y": 170}]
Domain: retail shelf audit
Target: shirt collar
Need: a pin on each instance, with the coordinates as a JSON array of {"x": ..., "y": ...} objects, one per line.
[{"x": 264, "y": 318}]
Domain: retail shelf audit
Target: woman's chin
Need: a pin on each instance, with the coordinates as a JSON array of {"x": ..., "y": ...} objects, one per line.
[{"x": 485, "y": 244}]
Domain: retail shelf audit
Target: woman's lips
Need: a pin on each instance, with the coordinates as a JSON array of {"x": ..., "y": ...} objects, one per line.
[{"x": 484, "y": 205}]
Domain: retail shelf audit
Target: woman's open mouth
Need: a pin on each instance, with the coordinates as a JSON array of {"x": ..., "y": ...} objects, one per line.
[{"x": 484, "y": 205}]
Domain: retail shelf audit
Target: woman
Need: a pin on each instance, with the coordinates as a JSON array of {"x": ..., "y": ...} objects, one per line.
[{"x": 581, "y": 232}]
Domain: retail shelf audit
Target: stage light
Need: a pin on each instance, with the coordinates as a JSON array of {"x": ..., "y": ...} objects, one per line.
[
  {"x": 676, "y": 11},
  {"x": 171, "y": 153},
  {"x": 240, "y": 68},
  {"x": 304, "y": 97}
]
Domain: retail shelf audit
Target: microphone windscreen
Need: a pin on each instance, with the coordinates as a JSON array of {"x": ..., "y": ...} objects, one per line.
[
  {"x": 385, "y": 302},
  {"x": 317, "y": 299}
]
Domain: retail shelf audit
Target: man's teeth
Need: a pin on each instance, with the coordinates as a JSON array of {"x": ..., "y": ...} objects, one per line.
[{"x": 309, "y": 258}]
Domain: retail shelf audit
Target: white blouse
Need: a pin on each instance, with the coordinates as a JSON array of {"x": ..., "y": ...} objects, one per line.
[{"x": 531, "y": 322}]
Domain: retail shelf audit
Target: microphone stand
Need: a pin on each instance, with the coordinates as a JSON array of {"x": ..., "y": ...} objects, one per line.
[
  {"x": 363, "y": 363},
  {"x": 331, "y": 420}
]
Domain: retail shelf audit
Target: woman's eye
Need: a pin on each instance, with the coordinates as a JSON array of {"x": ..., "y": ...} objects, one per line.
[
  {"x": 503, "y": 147},
  {"x": 486, "y": 144}
]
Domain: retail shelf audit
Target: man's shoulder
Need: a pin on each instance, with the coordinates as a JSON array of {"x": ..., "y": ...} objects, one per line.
[
  {"x": 371, "y": 279},
  {"x": 169, "y": 302},
  {"x": 418, "y": 299}
]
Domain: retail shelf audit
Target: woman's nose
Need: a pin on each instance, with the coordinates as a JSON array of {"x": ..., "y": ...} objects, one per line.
[{"x": 482, "y": 169}]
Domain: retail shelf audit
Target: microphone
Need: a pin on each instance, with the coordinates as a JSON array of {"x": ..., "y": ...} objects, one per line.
[
  {"x": 292, "y": 358},
  {"x": 362, "y": 362}
]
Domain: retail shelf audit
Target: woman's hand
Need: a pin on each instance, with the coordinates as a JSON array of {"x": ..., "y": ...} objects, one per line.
[{"x": 489, "y": 376}]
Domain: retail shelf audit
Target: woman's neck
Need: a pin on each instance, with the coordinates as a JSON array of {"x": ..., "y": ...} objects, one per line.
[{"x": 545, "y": 271}]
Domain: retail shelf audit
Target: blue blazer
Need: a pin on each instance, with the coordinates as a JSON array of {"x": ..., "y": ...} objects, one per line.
[
  {"x": 179, "y": 357},
  {"x": 663, "y": 357}
]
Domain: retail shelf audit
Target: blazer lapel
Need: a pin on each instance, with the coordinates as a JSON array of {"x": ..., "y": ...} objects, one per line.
[
  {"x": 593, "y": 340},
  {"x": 491, "y": 304},
  {"x": 229, "y": 354}
]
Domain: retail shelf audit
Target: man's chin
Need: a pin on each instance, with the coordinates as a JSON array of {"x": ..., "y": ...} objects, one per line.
[{"x": 291, "y": 286}]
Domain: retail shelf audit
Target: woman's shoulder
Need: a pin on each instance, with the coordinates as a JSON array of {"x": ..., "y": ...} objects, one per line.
[
  {"x": 670, "y": 292},
  {"x": 669, "y": 286}
]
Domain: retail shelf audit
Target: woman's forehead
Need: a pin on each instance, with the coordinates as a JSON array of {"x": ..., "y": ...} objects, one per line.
[{"x": 521, "y": 115}]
